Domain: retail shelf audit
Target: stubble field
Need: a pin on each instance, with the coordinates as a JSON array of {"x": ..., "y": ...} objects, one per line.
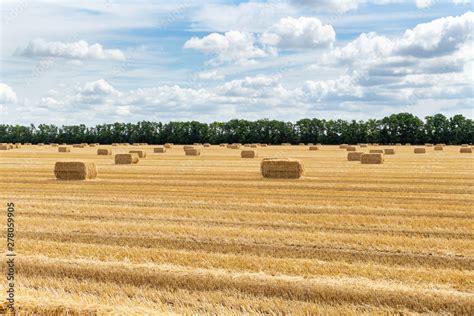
[{"x": 209, "y": 235}]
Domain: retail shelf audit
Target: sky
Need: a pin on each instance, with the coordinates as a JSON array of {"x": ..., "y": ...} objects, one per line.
[{"x": 103, "y": 61}]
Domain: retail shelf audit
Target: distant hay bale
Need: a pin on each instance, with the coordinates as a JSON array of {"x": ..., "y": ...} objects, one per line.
[
  {"x": 263, "y": 145},
  {"x": 253, "y": 146},
  {"x": 428, "y": 145},
  {"x": 318, "y": 144},
  {"x": 363, "y": 145},
  {"x": 302, "y": 144},
  {"x": 18, "y": 145},
  {"x": 63, "y": 149},
  {"x": 246, "y": 145},
  {"x": 376, "y": 151},
  {"x": 104, "y": 152},
  {"x": 465, "y": 150},
  {"x": 343, "y": 146},
  {"x": 75, "y": 170},
  {"x": 438, "y": 147},
  {"x": 168, "y": 145},
  {"x": 313, "y": 147},
  {"x": 207, "y": 145},
  {"x": 281, "y": 168},
  {"x": 407, "y": 144},
  {"x": 419, "y": 150},
  {"x": 234, "y": 146},
  {"x": 126, "y": 159},
  {"x": 285, "y": 144},
  {"x": 186, "y": 147},
  {"x": 140, "y": 153},
  {"x": 54, "y": 145},
  {"x": 223, "y": 145},
  {"x": 78, "y": 145},
  {"x": 4, "y": 147},
  {"x": 40, "y": 144},
  {"x": 372, "y": 159},
  {"x": 114, "y": 144},
  {"x": 354, "y": 155},
  {"x": 159, "y": 150},
  {"x": 464, "y": 145},
  {"x": 389, "y": 151},
  {"x": 135, "y": 144},
  {"x": 375, "y": 144},
  {"x": 197, "y": 144},
  {"x": 192, "y": 152},
  {"x": 398, "y": 144},
  {"x": 351, "y": 148},
  {"x": 249, "y": 154}
]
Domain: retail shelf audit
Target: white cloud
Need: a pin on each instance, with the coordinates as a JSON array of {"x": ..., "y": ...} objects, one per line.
[
  {"x": 7, "y": 95},
  {"x": 210, "y": 75},
  {"x": 233, "y": 46},
  {"x": 423, "y": 4},
  {"x": 75, "y": 50},
  {"x": 304, "y": 32}
]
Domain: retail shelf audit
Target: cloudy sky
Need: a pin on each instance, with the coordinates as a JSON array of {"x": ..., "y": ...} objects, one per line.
[{"x": 91, "y": 62}]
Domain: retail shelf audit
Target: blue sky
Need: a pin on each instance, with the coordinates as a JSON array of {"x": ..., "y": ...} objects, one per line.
[{"x": 91, "y": 62}]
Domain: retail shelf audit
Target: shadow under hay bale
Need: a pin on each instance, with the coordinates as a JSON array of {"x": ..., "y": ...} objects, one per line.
[
  {"x": 140, "y": 153},
  {"x": 354, "y": 155},
  {"x": 375, "y": 159},
  {"x": 75, "y": 170},
  {"x": 249, "y": 154},
  {"x": 104, "y": 152},
  {"x": 419, "y": 150},
  {"x": 159, "y": 150},
  {"x": 126, "y": 159},
  {"x": 281, "y": 168},
  {"x": 63, "y": 149}
]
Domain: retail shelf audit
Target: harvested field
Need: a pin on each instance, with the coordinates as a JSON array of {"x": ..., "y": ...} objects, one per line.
[{"x": 211, "y": 236}]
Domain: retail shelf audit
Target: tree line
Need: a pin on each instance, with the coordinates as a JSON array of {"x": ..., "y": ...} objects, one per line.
[{"x": 396, "y": 128}]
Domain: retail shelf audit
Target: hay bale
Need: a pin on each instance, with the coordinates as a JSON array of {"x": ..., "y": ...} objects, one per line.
[
  {"x": 438, "y": 147},
  {"x": 54, "y": 145},
  {"x": 464, "y": 145},
  {"x": 253, "y": 146},
  {"x": 192, "y": 152},
  {"x": 376, "y": 159},
  {"x": 197, "y": 144},
  {"x": 104, "y": 152},
  {"x": 281, "y": 168},
  {"x": 389, "y": 151},
  {"x": 186, "y": 147},
  {"x": 114, "y": 144},
  {"x": 78, "y": 145},
  {"x": 4, "y": 147},
  {"x": 363, "y": 145},
  {"x": 343, "y": 146},
  {"x": 207, "y": 145},
  {"x": 351, "y": 148},
  {"x": 465, "y": 150},
  {"x": 263, "y": 145},
  {"x": 64, "y": 149},
  {"x": 223, "y": 145},
  {"x": 75, "y": 170},
  {"x": 428, "y": 145},
  {"x": 313, "y": 147},
  {"x": 140, "y": 153},
  {"x": 354, "y": 155},
  {"x": 159, "y": 150},
  {"x": 135, "y": 144},
  {"x": 302, "y": 144},
  {"x": 169, "y": 145},
  {"x": 285, "y": 144},
  {"x": 40, "y": 144},
  {"x": 126, "y": 159},
  {"x": 18, "y": 145},
  {"x": 249, "y": 154},
  {"x": 407, "y": 144},
  {"x": 398, "y": 144},
  {"x": 376, "y": 151},
  {"x": 234, "y": 146},
  {"x": 419, "y": 150}
]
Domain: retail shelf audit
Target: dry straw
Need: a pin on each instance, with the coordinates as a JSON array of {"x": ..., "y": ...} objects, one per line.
[
  {"x": 234, "y": 146},
  {"x": 40, "y": 144},
  {"x": 281, "y": 168},
  {"x": 354, "y": 155},
  {"x": 372, "y": 159},
  {"x": 419, "y": 150},
  {"x": 389, "y": 151},
  {"x": 428, "y": 145},
  {"x": 64, "y": 149},
  {"x": 343, "y": 146},
  {"x": 54, "y": 145},
  {"x": 104, "y": 152},
  {"x": 263, "y": 145},
  {"x": 4, "y": 147},
  {"x": 363, "y": 145},
  {"x": 75, "y": 170},
  {"x": 169, "y": 145},
  {"x": 207, "y": 145},
  {"x": 465, "y": 150},
  {"x": 159, "y": 150},
  {"x": 126, "y": 159},
  {"x": 351, "y": 148},
  {"x": 253, "y": 146},
  {"x": 376, "y": 151},
  {"x": 192, "y": 152},
  {"x": 140, "y": 153},
  {"x": 438, "y": 147},
  {"x": 18, "y": 145},
  {"x": 78, "y": 145},
  {"x": 313, "y": 148},
  {"x": 186, "y": 147},
  {"x": 249, "y": 154},
  {"x": 285, "y": 144}
]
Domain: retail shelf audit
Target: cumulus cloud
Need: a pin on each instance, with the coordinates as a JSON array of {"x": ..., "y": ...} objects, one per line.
[
  {"x": 7, "y": 95},
  {"x": 75, "y": 50},
  {"x": 423, "y": 4},
  {"x": 210, "y": 75},
  {"x": 232, "y": 46},
  {"x": 304, "y": 32}
]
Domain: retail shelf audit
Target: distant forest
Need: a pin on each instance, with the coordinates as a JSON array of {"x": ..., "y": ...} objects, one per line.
[{"x": 396, "y": 128}]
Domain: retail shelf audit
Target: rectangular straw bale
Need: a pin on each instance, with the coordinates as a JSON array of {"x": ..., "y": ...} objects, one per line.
[
  {"x": 376, "y": 151},
  {"x": 363, "y": 145},
  {"x": 253, "y": 146},
  {"x": 207, "y": 145},
  {"x": 465, "y": 150},
  {"x": 438, "y": 147},
  {"x": 126, "y": 159},
  {"x": 40, "y": 144},
  {"x": 249, "y": 154},
  {"x": 104, "y": 152},
  {"x": 78, "y": 145},
  {"x": 389, "y": 151},
  {"x": 234, "y": 146},
  {"x": 281, "y": 168},
  {"x": 223, "y": 145},
  {"x": 64, "y": 149},
  {"x": 343, "y": 146},
  {"x": 354, "y": 155},
  {"x": 419, "y": 150},
  {"x": 313, "y": 147},
  {"x": 428, "y": 145},
  {"x": 75, "y": 170},
  {"x": 169, "y": 145},
  {"x": 18, "y": 145},
  {"x": 263, "y": 145},
  {"x": 186, "y": 147},
  {"x": 464, "y": 145},
  {"x": 159, "y": 150},
  {"x": 54, "y": 145},
  {"x": 140, "y": 153},
  {"x": 114, "y": 144},
  {"x": 4, "y": 147},
  {"x": 285, "y": 144},
  {"x": 372, "y": 159},
  {"x": 193, "y": 152},
  {"x": 398, "y": 144},
  {"x": 351, "y": 148}
]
